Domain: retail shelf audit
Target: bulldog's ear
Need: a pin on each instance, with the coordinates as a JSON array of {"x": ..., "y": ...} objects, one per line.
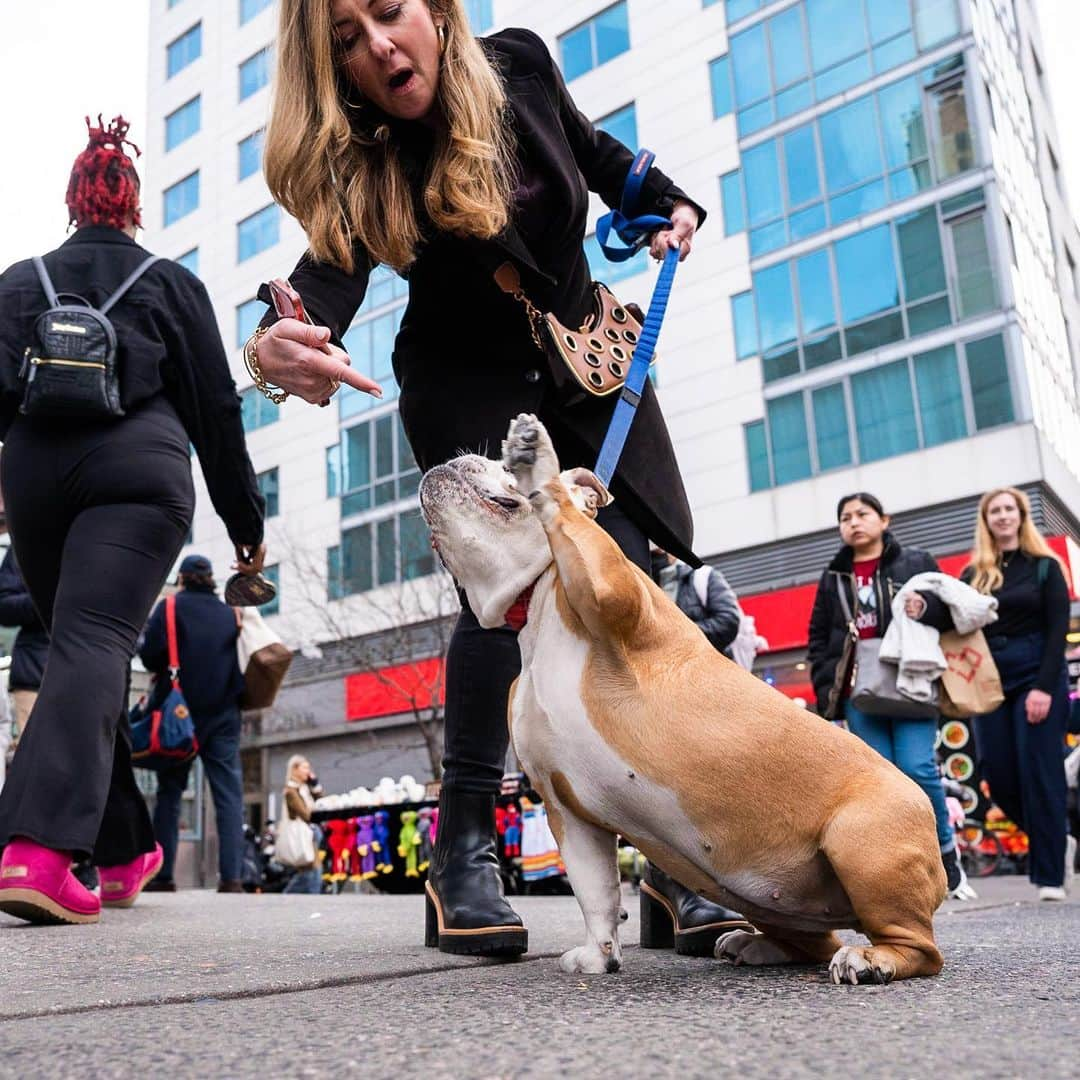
[{"x": 585, "y": 488}]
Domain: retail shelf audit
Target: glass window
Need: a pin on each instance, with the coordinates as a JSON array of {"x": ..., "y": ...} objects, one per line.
[
  {"x": 816, "y": 304},
  {"x": 335, "y": 586},
  {"x": 941, "y": 399},
  {"x": 181, "y": 199},
  {"x": 189, "y": 260},
  {"x": 884, "y": 412},
  {"x": 866, "y": 271},
  {"x": 849, "y": 144},
  {"x": 988, "y": 374},
  {"x": 888, "y": 19},
  {"x": 745, "y": 323},
  {"x": 757, "y": 455},
  {"x": 720, "y": 80},
  {"x": 256, "y": 411},
  {"x": 750, "y": 66},
  {"x": 902, "y": 124},
  {"x": 837, "y": 30},
  {"x": 801, "y": 167},
  {"x": 386, "y": 551},
  {"x": 920, "y": 254},
  {"x": 333, "y": 471},
  {"x": 611, "y": 272},
  {"x": 257, "y": 232},
  {"x": 738, "y": 9},
  {"x": 831, "y": 427},
  {"x": 621, "y": 125},
  {"x": 249, "y": 154},
  {"x": 272, "y": 574},
  {"x": 975, "y": 290},
  {"x": 250, "y": 8},
  {"x": 182, "y": 123},
  {"x": 481, "y": 16},
  {"x": 760, "y": 168},
  {"x": 268, "y": 489},
  {"x": 955, "y": 148},
  {"x": 254, "y": 73},
  {"x": 788, "y": 44},
  {"x": 595, "y": 42},
  {"x": 356, "y": 560},
  {"x": 788, "y": 438},
  {"x": 248, "y": 315},
  {"x": 731, "y": 196},
  {"x": 186, "y": 49},
  {"x": 775, "y": 306},
  {"x": 417, "y": 556},
  {"x": 935, "y": 21}
]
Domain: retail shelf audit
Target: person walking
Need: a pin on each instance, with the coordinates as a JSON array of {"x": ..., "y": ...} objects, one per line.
[
  {"x": 31, "y": 647},
  {"x": 298, "y": 799},
  {"x": 398, "y": 138},
  {"x": 1021, "y": 744},
  {"x": 871, "y": 566},
  {"x": 206, "y": 633},
  {"x": 98, "y": 511}
]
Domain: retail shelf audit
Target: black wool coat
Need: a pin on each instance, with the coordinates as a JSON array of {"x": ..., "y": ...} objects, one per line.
[{"x": 464, "y": 357}]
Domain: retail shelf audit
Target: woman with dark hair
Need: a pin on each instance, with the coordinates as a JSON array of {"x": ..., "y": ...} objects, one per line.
[
  {"x": 399, "y": 138},
  {"x": 870, "y": 568},
  {"x": 99, "y": 507}
]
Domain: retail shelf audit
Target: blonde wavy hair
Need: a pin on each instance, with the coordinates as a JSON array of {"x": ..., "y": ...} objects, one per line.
[
  {"x": 985, "y": 557},
  {"x": 345, "y": 182}
]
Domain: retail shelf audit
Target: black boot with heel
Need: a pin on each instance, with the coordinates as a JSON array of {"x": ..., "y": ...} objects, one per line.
[
  {"x": 673, "y": 916},
  {"x": 467, "y": 913}
]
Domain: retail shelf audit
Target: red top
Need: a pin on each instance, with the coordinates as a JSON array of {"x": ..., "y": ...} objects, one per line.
[{"x": 866, "y": 617}]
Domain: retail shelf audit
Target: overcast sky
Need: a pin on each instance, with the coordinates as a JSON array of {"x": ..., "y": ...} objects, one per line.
[{"x": 62, "y": 59}]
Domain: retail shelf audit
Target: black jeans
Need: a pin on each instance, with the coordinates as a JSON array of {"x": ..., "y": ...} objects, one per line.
[
  {"x": 1023, "y": 763},
  {"x": 480, "y": 666},
  {"x": 98, "y": 514}
]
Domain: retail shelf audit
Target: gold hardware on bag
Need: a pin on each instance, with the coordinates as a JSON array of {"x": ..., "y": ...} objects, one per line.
[
  {"x": 581, "y": 350},
  {"x": 37, "y": 361}
]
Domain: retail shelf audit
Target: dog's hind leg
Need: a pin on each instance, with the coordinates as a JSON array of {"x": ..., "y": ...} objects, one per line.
[
  {"x": 776, "y": 946},
  {"x": 895, "y": 882},
  {"x": 591, "y": 864}
]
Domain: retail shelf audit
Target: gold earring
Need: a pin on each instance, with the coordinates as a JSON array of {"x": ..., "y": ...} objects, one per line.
[{"x": 440, "y": 30}]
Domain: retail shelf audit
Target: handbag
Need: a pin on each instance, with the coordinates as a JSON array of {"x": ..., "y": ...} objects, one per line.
[
  {"x": 293, "y": 843},
  {"x": 970, "y": 683},
  {"x": 263, "y": 658},
  {"x": 873, "y": 681},
  {"x": 162, "y": 730}
]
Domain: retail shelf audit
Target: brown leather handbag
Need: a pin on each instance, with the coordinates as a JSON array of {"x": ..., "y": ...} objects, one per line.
[{"x": 592, "y": 361}]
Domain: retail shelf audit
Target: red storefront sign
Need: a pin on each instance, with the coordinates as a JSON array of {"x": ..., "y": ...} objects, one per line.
[{"x": 392, "y": 690}]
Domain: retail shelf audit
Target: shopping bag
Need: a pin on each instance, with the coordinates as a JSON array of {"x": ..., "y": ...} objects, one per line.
[
  {"x": 970, "y": 684},
  {"x": 293, "y": 843},
  {"x": 263, "y": 658}
]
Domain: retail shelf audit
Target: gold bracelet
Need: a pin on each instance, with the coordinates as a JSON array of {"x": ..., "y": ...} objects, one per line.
[{"x": 251, "y": 362}]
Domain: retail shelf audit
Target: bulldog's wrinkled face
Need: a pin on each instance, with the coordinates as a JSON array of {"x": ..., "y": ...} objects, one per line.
[{"x": 486, "y": 532}]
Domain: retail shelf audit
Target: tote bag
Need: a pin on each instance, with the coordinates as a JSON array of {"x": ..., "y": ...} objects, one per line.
[
  {"x": 970, "y": 683},
  {"x": 294, "y": 845},
  {"x": 263, "y": 658}
]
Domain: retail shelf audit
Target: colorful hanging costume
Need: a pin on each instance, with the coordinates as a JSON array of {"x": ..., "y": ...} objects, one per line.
[
  {"x": 512, "y": 832},
  {"x": 409, "y": 842},
  {"x": 365, "y": 839},
  {"x": 384, "y": 856},
  {"x": 423, "y": 828},
  {"x": 539, "y": 852}
]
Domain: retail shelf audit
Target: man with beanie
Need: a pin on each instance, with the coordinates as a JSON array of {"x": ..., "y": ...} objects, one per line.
[{"x": 206, "y": 632}]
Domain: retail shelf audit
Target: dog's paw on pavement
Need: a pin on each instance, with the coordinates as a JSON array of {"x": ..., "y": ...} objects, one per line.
[
  {"x": 591, "y": 960},
  {"x": 743, "y": 947},
  {"x": 860, "y": 964}
]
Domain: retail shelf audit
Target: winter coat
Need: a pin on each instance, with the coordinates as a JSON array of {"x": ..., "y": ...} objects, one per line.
[
  {"x": 464, "y": 357},
  {"x": 828, "y": 625},
  {"x": 718, "y": 618},
  {"x": 31, "y": 648}
]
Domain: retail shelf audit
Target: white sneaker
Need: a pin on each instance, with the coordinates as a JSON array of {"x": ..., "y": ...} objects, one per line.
[
  {"x": 1070, "y": 861},
  {"x": 963, "y": 891},
  {"x": 1052, "y": 892}
]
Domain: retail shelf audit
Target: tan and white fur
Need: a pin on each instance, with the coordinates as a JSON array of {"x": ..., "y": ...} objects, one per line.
[{"x": 629, "y": 722}]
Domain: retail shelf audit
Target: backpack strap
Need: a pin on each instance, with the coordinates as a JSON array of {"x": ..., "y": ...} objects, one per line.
[
  {"x": 1042, "y": 571},
  {"x": 128, "y": 282},
  {"x": 170, "y": 635},
  {"x": 844, "y": 605},
  {"x": 46, "y": 281}
]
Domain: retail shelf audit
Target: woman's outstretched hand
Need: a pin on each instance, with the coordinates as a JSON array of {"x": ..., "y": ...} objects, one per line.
[
  {"x": 299, "y": 358},
  {"x": 684, "y": 223}
]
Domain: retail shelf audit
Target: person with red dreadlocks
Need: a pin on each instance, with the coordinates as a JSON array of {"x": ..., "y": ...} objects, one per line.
[{"x": 99, "y": 507}]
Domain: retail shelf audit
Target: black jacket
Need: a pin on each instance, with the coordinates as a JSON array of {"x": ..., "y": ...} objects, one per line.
[
  {"x": 31, "y": 648},
  {"x": 206, "y": 634},
  {"x": 464, "y": 357},
  {"x": 167, "y": 342},
  {"x": 828, "y": 627},
  {"x": 718, "y": 618}
]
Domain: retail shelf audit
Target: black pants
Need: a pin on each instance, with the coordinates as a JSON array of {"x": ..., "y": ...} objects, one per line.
[
  {"x": 98, "y": 514},
  {"x": 480, "y": 666},
  {"x": 1023, "y": 763}
]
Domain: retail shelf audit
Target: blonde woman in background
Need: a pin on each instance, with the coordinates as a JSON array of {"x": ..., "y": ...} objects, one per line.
[
  {"x": 298, "y": 800},
  {"x": 1021, "y": 743}
]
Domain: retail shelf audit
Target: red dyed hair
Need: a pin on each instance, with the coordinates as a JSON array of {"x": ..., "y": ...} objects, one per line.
[{"x": 104, "y": 187}]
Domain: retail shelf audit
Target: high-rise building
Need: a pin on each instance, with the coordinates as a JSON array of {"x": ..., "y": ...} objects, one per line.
[{"x": 884, "y": 298}]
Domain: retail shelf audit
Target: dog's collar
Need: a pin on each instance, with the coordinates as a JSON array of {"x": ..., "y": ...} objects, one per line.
[{"x": 518, "y": 615}]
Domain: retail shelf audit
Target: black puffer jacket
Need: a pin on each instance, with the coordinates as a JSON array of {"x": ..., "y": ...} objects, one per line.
[
  {"x": 31, "y": 648},
  {"x": 828, "y": 627},
  {"x": 718, "y": 619}
]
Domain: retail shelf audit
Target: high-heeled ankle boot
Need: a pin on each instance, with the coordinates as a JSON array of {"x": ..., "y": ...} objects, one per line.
[
  {"x": 467, "y": 912},
  {"x": 672, "y": 915}
]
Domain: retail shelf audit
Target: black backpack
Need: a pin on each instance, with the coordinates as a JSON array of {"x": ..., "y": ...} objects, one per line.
[{"x": 69, "y": 370}]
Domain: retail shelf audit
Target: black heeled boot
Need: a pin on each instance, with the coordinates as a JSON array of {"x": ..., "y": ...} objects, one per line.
[
  {"x": 672, "y": 915},
  {"x": 467, "y": 912}
]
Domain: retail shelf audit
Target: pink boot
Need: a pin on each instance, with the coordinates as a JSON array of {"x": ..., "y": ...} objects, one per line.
[
  {"x": 121, "y": 885},
  {"x": 36, "y": 884}
]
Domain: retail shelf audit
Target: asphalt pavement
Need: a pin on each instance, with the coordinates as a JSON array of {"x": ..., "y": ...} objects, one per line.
[{"x": 201, "y": 984}]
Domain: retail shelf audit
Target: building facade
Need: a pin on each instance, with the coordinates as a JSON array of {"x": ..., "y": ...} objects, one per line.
[{"x": 884, "y": 298}]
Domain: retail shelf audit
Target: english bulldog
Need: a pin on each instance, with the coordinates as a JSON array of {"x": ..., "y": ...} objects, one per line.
[{"x": 630, "y": 723}]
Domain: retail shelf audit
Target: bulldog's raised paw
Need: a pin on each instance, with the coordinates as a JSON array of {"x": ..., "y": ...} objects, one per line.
[
  {"x": 591, "y": 960},
  {"x": 861, "y": 964},
  {"x": 529, "y": 454},
  {"x": 742, "y": 947}
]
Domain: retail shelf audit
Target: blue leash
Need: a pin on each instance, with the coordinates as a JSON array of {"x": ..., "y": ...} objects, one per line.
[{"x": 634, "y": 232}]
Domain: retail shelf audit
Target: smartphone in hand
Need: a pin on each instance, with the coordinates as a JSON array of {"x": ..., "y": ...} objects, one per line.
[{"x": 287, "y": 302}]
